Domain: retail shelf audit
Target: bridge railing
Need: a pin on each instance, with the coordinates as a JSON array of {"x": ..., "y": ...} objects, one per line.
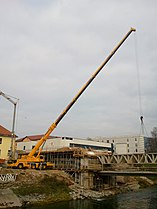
[{"x": 129, "y": 159}]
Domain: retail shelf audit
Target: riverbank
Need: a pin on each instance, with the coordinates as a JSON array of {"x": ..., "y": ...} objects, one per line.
[
  {"x": 123, "y": 185},
  {"x": 145, "y": 198},
  {"x": 34, "y": 187}
]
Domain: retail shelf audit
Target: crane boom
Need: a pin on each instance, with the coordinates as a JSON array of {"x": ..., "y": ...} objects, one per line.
[
  {"x": 53, "y": 126},
  {"x": 7, "y": 97}
]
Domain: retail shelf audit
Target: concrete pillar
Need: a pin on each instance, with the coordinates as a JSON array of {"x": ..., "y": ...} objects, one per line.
[{"x": 86, "y": 179}]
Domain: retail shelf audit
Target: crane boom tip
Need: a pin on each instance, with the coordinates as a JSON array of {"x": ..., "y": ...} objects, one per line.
[{"x": 133, "y": 29}]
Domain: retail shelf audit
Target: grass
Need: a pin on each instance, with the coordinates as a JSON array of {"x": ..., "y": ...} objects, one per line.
[
  {"x": 50, "y": 187},
  {"x": 149, "y": 165}
]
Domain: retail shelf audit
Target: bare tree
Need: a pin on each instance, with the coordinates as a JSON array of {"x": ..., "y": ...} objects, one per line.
[
  {"x": 154, "y": 133},
  {"x": 154, "y": 139}
]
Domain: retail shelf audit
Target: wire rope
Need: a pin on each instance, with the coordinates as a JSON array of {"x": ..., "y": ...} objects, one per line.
[{"x": 142, "y": 128}]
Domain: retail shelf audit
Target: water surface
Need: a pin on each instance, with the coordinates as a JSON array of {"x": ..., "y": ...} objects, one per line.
[{"x": 143, "y": 199}]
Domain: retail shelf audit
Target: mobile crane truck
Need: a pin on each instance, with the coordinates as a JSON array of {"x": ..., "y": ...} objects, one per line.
[{"x": 34, "y": 160}]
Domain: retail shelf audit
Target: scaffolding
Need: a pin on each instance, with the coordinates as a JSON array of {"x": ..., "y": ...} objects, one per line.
[{"x": 73, "y": 159}]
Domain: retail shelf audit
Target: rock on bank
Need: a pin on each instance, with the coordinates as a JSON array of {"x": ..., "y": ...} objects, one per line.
[{"x": 9, "y": 199}]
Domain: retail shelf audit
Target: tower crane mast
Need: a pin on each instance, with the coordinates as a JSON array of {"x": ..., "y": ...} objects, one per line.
[{"x": 12, "y": 154}]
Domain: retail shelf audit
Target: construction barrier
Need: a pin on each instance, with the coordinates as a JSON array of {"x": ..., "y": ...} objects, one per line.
[{"x": 10, "y": 177}]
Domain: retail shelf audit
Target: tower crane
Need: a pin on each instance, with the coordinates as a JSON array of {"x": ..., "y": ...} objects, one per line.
[{"x": 12, "y": 153}]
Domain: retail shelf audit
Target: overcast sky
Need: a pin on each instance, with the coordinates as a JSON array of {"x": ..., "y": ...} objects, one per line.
[{"x": 50, "y": 48}]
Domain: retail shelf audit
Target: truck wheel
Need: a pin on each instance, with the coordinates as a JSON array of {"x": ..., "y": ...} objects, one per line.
[
  {"x": 33, "y": 166},
  {"x": 44, "y": 167},
  {"x": 20, "y": 166}
]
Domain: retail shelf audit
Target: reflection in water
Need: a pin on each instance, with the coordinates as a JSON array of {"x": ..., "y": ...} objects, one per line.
[
  {"x": 143, "y": 199},
  {"x": 109, "y": 203}
]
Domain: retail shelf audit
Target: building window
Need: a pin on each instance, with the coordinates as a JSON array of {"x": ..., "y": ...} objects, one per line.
[
  {"x": 0, "y": 152},
  {"x": 113, "y": 141},
  {"x": 135, "y": 140},
  {"x": 94, "y": 147},
  {"x": 108, "y": 141},
  {"x": 136, "y": 150},
  {"x": 33, "y": 146},
  {"x": 127, "y": 140},
  {"x": 9, "y": 152},
  {"x": 0, "y": 140},
  {"x": 24, "y": 147}
]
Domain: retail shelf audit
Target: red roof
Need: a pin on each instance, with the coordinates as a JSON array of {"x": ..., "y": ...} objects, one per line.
[
  {"x": 34, "y": 138},
  {"x": 4, "y": 132}
]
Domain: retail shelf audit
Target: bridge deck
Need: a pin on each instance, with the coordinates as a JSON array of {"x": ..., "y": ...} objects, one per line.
[{"x": 128, "y": 173}]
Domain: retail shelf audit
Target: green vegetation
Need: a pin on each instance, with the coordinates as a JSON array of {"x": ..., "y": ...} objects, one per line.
[
  {"x": 49, "y": 189},
  {"x": 152, "y": 165},
  {"x": 153, "y": 178}
]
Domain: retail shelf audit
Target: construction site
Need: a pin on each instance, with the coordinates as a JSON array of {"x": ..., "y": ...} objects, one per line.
[
  {"x": 83, "y": 164},
  {"x": 68, "y": 168}
]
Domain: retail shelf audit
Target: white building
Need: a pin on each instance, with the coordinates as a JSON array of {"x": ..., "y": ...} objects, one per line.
[
  {"x": 125, "y": 144},
  {"x": 53, "y": 143}
]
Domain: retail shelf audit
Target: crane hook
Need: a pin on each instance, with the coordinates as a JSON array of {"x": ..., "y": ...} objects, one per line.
[{"x": 141, "y": 118}]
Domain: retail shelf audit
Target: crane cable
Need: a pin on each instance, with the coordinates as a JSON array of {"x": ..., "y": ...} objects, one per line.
[{"x": 142, "y": 128}]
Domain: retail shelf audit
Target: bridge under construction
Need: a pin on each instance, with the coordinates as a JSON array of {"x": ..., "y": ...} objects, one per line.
[{"x": 86, "y": 167}]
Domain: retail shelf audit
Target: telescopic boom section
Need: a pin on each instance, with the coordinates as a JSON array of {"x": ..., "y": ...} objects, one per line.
[
  {"x": 7, "y": 97},
  {"x": 60, "y": 117}
]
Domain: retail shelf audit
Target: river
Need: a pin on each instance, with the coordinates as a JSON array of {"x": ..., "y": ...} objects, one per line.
[{"x": 142, "y": 199}]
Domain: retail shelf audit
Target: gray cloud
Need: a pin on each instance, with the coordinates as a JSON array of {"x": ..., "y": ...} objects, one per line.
[{"x": 50, "y": 48}]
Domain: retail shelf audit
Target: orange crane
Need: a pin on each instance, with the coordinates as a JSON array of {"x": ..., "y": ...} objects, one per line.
[{"x": 32, "y": 161}]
